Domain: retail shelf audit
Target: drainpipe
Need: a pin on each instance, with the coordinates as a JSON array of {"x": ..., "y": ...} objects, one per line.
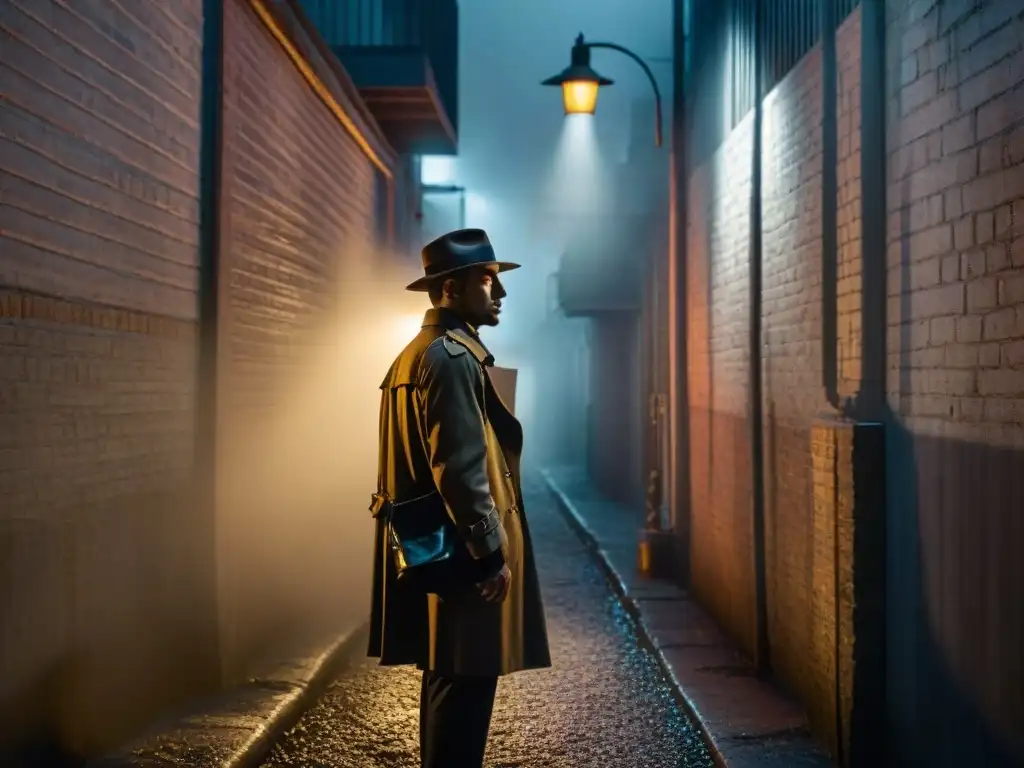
[
  {"x": 678, "y": 383},
  {"x": 761, "y": 651},
  {"x": 871, "y": 398},
  {"x": 868, "y": 744},
  {"x": 204, "y": 529},
  {"x": 829, "y": 320},
  {"x": 829, "y": 217}
]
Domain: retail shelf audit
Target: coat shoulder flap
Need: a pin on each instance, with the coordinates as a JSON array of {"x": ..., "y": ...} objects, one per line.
[
  {"x": 458, "y": 342},
  {"x": 404, "y": 371}
]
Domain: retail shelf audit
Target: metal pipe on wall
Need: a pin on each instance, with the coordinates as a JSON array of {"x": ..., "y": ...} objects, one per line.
[
  {"x": 829, "y": 201},
  {"x": 761, "y": 649},
  {"x": 868, "y": 738},
  {"x": 678, "y": 407},
  {"x": 871, "y": 397},
  {"x": 210, "y": 245}
]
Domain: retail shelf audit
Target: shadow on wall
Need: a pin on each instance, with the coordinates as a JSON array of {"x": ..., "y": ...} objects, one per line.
[
  {"x": 31, "y": 732},
  {"x": 955, "y": 584}
]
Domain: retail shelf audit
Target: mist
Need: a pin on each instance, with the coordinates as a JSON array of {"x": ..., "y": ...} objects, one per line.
[
  {"x": 294, "y": 532},
  {"x": 295, "y": 537},
  {"x": 542, "y": 180}
]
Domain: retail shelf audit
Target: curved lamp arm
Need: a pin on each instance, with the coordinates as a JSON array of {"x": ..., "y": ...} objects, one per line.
[{"x": 650, "y": 76}]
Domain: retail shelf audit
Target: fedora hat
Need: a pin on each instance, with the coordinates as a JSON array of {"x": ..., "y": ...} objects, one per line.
[{"x": 454, "y": 252}]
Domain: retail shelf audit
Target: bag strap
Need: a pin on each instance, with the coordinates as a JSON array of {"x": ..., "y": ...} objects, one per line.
[{"x": 383, "y": 430}]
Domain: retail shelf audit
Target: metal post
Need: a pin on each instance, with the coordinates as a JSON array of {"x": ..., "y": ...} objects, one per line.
[
  {"x": 665, "y": 553},
  {"x": 647, "y": 71}
]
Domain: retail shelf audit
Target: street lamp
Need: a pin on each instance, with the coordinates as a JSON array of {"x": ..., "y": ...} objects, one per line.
[{"x": 580, "y": 83}]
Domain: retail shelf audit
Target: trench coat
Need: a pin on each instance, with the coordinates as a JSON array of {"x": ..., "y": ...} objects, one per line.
[{"x": 443, "y": 426}]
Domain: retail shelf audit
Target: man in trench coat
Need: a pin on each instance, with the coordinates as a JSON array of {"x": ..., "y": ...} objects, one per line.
[{"x": 443, "y": 426}]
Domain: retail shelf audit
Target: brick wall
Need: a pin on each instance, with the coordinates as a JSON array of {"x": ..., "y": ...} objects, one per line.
[
  {"x": 717, "y": 322},
  {"x": 98, "y": 255},
  {"x": 956, "y": 381},
  {"x": 800, "y": 542},
  {"x": 296, "y": 464},
  {"x": 108, "y": 565}
]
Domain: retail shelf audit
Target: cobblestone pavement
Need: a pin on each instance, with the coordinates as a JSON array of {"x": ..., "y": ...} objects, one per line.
[{"x": 602, "y": 705}]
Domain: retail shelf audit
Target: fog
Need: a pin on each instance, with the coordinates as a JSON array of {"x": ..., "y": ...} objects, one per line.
[
  {"x": 294, "y": 532},
  {"x": 548, "y": 180},
  {"x": 125, "y": 596}
]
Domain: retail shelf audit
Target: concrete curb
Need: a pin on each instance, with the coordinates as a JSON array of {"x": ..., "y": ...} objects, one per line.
[
  {"x": 745, "y": 723},
  {"x": 579, "y": 525},
  {"x": 239, "y": 728}
]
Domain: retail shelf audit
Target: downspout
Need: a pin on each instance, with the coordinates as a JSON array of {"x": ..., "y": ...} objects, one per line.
[
  {"x": 678, "y": 383},
  {"x": 871, "y": 398},
  {"x": 829, "y": 202},
  {"x": 761, "y": 649},
  {"x": 829, "y": 322},
  {"x": 210, "y": 248},
  {"x": 871, "y": 587}
]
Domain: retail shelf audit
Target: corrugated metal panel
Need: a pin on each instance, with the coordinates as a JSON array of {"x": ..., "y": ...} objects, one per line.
[
  {"x": 367, "y": 22},
  {"x": 723, "y": 57}
]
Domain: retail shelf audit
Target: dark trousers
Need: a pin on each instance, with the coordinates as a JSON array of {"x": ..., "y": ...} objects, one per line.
[{"x": 455, "y": 716}]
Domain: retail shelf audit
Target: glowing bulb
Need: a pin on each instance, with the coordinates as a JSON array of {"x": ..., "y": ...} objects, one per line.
[{"x": 579, "y": 97}]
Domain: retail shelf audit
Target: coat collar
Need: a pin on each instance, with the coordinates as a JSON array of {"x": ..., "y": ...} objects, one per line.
[{"x": 459, "y": 330}]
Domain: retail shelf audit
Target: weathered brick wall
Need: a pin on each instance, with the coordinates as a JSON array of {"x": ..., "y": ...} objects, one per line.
[
  {"x": 956, "y": 381},
  {"x": 296, "y": 465},
  {"x": 108, "y": 571},
  {"x": 101, "y": 585},
  {"x": 800, "y": 542},
  {"x": 800, "y": 467},
  {"x": 717, "y": 322}
]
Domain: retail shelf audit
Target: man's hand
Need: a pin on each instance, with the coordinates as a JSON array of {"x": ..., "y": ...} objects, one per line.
[{"x": 495, "y": 589}]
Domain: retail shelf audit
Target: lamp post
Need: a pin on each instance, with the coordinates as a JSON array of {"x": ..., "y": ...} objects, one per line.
[{"x": 580, "y": 85}]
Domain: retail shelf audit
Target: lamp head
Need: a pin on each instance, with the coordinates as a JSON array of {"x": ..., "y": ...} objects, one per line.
[{"x": 579, "y": 82}]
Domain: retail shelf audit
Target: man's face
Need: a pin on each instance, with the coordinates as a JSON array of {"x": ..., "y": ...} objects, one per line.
[{"x": 478, "y": 299}]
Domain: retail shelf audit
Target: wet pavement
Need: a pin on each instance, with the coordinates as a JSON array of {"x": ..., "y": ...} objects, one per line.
[{"x": 604, "y": 703}]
